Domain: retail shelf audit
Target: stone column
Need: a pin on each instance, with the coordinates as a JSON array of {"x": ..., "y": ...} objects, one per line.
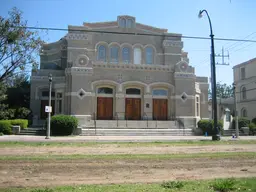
[
  {"x": 120, "y": 106},
  {"x": 148, "y": 106}
]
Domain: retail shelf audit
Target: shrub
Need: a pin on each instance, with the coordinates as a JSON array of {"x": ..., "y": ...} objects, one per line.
[
  {"x": 1, "y": 134},
  {"x": 172, "y": 184},
  {"x": 63, "y": 125},
  {"x": 5, "y": 127},
  {"x": 252, "y": 129},
  {"x": 224, "y": 185},
  {"x": 207, "y": 126},
  {"x": 22, "y": 113},
  {"x": 242, "y": 122},
  {"x": 23, "y": 123},
  {"x": 254, "y": 120}
]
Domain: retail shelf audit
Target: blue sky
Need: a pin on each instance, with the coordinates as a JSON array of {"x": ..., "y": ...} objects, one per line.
[{"x": 230, "y": 19}]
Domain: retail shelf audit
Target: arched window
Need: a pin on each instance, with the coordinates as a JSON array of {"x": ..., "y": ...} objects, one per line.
[
  {"x": 114, "y": 54},
  {"x": 133, "y": 91},
  {"x": 149, "y": 55},
  {"x": 137, "y": 56},
  {"x": 123, "y": 23},
  {"x": 244, "y": 112},
  {"x": 129, "y": 23},
  {"x": 243, "y": 93},
  {"x": 160, "y": 92},
  {"x": 105, "y": 90},
  {"x": 126, "y": 55},
  {"x": 102, "y": 53}
]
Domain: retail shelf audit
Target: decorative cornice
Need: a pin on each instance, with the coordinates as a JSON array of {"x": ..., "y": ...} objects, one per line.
[
  {"x": 142, "y": 67},
  {"x": 46, "y": 78},
  {"x": 79, "y": 71},
  {"x": 184, "y": 75},
  {"x": 76, "y": 36},
  {"x": 171, "y": 43}
]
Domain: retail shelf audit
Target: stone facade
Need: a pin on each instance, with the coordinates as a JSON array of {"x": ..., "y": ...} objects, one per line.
[
  {"x": 147, "y": 60},
  {"x": 245, "y": 79}
]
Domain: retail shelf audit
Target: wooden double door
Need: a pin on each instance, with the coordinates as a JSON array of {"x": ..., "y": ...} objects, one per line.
[
  {"x": 160, "y": 109},
  {"x": 133, "y": 108},
  {"x": 104, "y": 108}
]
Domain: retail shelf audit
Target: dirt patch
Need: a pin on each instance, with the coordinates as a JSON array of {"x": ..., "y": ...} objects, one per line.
[
  {"x": 17, "y": 173},
  {"x": 118, "y": 149}
]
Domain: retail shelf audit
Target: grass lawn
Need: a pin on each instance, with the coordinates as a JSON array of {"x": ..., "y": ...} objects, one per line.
[
  {"x": 124, "y": 144},
  {"x": 221, "y": 185},
  {"x": 132, "y": 156}
]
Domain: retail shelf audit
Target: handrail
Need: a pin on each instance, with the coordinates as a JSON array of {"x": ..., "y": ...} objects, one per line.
[{"x": 145, "y": 114}]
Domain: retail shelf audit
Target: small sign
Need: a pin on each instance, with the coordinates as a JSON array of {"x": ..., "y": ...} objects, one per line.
[{"x": 48, "y": 109}]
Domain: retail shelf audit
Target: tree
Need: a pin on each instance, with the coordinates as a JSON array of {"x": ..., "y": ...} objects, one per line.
[
  {"x": 18, "y": 45},
  {"x": 222, "y": 91},
  {"x": 18, "y": 91}
]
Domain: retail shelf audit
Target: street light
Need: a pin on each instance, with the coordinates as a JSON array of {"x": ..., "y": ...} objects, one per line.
[
  {"x": 49, "y": 110},
  {"x": 216, "y": 135}
]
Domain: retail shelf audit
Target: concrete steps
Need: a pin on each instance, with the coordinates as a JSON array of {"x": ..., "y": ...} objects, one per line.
[
  {"x": 135, "y": 124},
  {"x": 231, "y": 132},
  {"x": 32, "y": 131},
  {"x": 136, "y": 132}
]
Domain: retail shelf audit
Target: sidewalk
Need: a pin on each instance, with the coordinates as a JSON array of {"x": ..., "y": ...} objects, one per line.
[{"x": 26, "y": 138}]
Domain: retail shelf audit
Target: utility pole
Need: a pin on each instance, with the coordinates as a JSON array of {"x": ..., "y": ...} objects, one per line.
[
  {"x": 222, "y": 55},
  {"x": 236, "y": 115}
]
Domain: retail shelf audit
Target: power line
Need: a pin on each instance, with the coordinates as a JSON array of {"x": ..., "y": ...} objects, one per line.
[{"x": 134, "y": 33}]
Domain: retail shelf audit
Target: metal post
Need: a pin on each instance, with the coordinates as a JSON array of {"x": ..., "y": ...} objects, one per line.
[
  {"x": 235, "y": 114},
  {"x": 216, "y": 136},
  {"x": 50, "y": 104}
]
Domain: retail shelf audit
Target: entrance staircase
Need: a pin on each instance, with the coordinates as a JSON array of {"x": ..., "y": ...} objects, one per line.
[
  {"x": 135, "y": 128},
  {"x": 32, "y": 131}
]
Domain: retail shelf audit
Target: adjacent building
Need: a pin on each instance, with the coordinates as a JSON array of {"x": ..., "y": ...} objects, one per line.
[
  {"x": 101, "y": 74},
  {"x": 245, "y": 80}
]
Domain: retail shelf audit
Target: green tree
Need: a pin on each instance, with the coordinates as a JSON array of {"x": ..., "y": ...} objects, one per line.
[
  {"x": 222, "y": 91},
  {"x": 18, "y": 45},
  {"x": 18, "y": 91}
]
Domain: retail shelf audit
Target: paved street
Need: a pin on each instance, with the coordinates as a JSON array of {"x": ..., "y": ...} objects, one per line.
[{"x": 113, "y": 138}]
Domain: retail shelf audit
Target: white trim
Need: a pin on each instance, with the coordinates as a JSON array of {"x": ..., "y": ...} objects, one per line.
[
  {"x": 132, "y": 96},
  {"x": 114, "y": 43},
  {"x": 105, "y": 95},
  {"x": 136, "y": 83},
  {"x": 159, "y": 97},
  {"x": 81, "y": 48},
  {"x": 103, "y": 83},
  {"x": 159, "y": 85},
  {"x": 101, "y": 43}
]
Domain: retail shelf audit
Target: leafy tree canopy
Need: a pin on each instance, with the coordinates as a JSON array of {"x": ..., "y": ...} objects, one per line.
[
  {"x": 19, "y": 46},
  {"x": 222, "y": 91}
]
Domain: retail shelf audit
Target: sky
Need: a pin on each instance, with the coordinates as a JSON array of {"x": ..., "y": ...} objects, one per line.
[{"x": 230, "y": 19}]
